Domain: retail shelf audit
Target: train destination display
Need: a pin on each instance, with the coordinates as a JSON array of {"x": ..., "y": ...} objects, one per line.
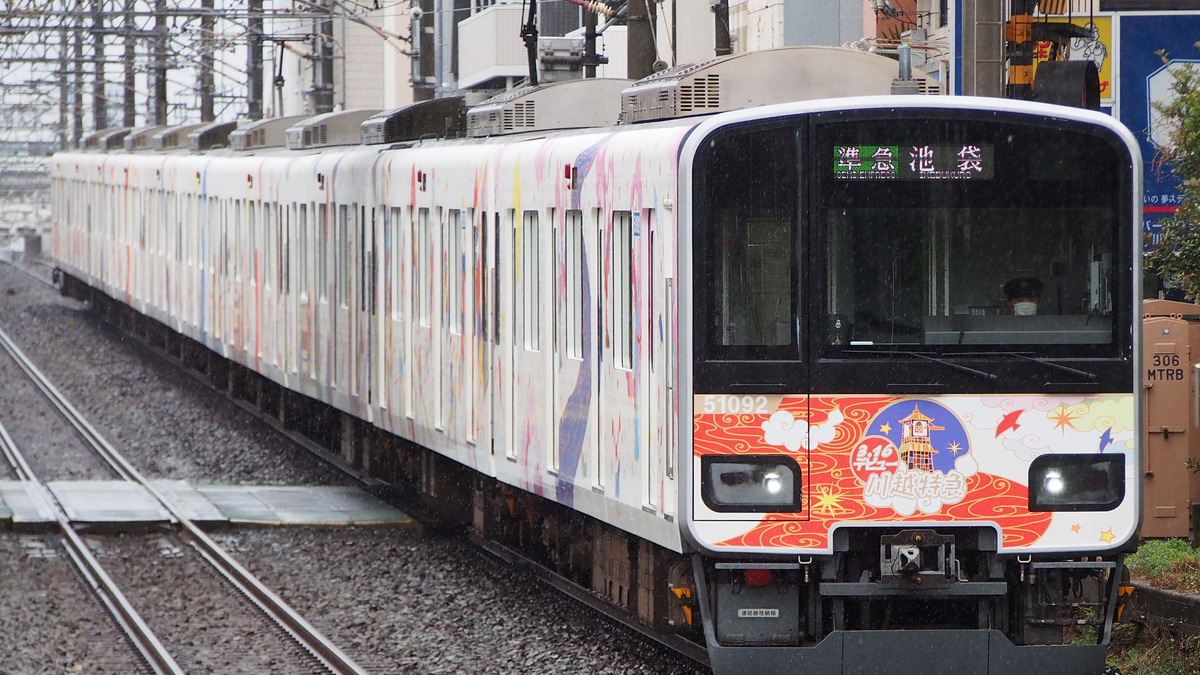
[{"x": 912, "y": 162}]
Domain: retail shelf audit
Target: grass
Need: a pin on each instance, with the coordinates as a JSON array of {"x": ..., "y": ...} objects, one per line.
[
  {"x": 1145, "y": 650},
  {"x": 1167, "y": 563}
]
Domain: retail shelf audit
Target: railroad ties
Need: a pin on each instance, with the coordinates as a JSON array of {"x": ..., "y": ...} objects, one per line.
[{"x": 124, "y": 504}]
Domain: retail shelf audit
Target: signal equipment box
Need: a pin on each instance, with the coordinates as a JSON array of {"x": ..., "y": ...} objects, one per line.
[{"x": 1170, "y": 349}]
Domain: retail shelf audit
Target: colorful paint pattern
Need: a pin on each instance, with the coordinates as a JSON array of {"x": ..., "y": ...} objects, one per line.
[{"x": 948, "y": 459}]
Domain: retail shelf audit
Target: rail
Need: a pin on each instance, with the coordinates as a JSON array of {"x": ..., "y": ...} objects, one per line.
[{"x": 274, "y": 607}]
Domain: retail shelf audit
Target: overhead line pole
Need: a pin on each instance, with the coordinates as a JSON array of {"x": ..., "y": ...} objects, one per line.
[
  {"x": 207, "y": 87},
  {"x": 99, "y": 96},
  {"x": 77, "y": 112},
  {"x": 254, "y": 65},
  {"x": 63, "y": 89},
  {"x": 159, "y": 68},
  {"x": 129, "y": 98}
]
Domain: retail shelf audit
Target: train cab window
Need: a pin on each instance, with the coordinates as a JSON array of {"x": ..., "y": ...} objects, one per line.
[
  {"x": 746, "y": 237},
  {"x": 939, "y": 236}
]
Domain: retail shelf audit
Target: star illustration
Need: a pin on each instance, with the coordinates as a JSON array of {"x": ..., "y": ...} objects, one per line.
[
  {"x": 1063, "y": 419},
  {"x": 1107, "y": 536},
  {"x": 828, "y": 502},
  {"x": 1076, "y": 528},
  {"x": 955, "y": 448},
  {"x": 886, "y": 428}
]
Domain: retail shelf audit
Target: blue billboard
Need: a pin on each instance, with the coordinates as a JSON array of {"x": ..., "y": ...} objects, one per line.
[{"x": 1145, "y": 79}]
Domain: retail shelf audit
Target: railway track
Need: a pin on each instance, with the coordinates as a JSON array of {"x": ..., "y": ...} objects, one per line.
[{"x": 310, "y": 650}]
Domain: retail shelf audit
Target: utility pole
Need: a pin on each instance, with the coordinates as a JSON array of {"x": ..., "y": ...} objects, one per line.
[
  {"x": 207, "y": 86},
  {"x": 254, "y": 65},
  {"x": 129, "y": 99},
  {"x": 63, "y": 89},
  {"x": 640, "y": 31},
  {"x": 323, "y": 60},
  {"x": 722, "y": 45},
  {"x": 99, "y": 96},
  {"x": 77, "y": 112},
  {"x": 589, "y": 44},
  {"x": 1020, "y": 50},
  {"x": 159, "y": 69}
]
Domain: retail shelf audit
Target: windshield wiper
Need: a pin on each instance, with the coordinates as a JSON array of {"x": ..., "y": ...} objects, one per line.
[
  {"x": 1090, "y": 377},
  {"x": 945, "y": 362}
]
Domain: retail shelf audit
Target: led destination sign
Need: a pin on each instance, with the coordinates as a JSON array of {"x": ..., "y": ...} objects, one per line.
[{"x": 912, "y": 162}]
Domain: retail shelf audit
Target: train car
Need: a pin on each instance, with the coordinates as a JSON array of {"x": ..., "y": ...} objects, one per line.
[{"x": 840, "y": 385}]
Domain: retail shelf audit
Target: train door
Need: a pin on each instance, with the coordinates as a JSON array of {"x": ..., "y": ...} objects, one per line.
[
  {"x": 221, "y": 287},
  {"x": 619, "y": 381},
  {"x": 268, "y": 317},
  {"x": 504, "y": 428},
  {"x": 493, "y": 431},
  {"x": 268, "y": 283},
  {"x": 575, "y": 400},
  {"x": 393, "y": 360},
  {"x": 251, "y": 307},
  {"x": 339, "y": 326},
  {"x": 368, "y": 307},
  {"x": 236, "y": 250},
  {"x": 323, "y": 323},
  {"x": 209, "y": 303},
  {"x": 426, "y": 375},
  {"x": 453, "y": 358},
  {"x": 529, "y": 348},
  {"x": 650, "y": 389},
  {"x": 187, "y": 268},
  {"x": 478, "y": 321},
  {"x": 289, "y": 236},
  {"x": 305, "y": 300}
]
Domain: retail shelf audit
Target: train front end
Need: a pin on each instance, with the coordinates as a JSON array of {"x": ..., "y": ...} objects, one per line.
[{"x": 913, "y": 356}]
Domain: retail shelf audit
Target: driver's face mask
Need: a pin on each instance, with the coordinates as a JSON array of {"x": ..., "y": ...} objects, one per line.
[{"x": 1025, "y": 308}]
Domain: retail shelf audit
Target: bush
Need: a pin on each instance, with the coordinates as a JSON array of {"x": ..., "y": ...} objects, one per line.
[
  {"x": 1158, "y": 556},
  {"x": 1176, "y": 259}
]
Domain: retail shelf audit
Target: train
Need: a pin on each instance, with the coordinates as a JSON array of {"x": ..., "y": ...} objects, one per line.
[{"x": 823, "y": 378}]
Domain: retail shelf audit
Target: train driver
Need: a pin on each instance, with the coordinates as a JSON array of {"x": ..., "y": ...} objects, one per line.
[{"x": 1024, "y": 296}]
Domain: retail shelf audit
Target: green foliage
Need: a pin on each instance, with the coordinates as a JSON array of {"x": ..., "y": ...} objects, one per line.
[
  {"x": 1177, "y": 257},
  {"x": 1143, "y": 650},
  {"x": 1157, "y": 556}
]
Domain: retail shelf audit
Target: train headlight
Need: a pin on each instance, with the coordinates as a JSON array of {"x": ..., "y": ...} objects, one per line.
[
  {"x": 1076, "y": 482},
  {"x": 756, "y": 483}
]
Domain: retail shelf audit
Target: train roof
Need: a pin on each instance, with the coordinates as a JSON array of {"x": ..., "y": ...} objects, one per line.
[{"x": 734, "y": 82}]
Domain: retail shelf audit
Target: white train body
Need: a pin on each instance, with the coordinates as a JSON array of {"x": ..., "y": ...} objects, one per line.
[{"x": 404, "y": 345}]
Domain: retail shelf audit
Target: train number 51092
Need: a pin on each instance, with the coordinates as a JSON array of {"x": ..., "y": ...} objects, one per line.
[{"x": 735, "y": 405}]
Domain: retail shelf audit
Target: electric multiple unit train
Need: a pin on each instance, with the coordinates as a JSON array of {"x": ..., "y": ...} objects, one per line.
[{"x": 749, "y": 374}]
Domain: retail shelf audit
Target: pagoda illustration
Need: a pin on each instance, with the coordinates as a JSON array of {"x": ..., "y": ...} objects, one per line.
[{"x": 915, "y": 449}]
